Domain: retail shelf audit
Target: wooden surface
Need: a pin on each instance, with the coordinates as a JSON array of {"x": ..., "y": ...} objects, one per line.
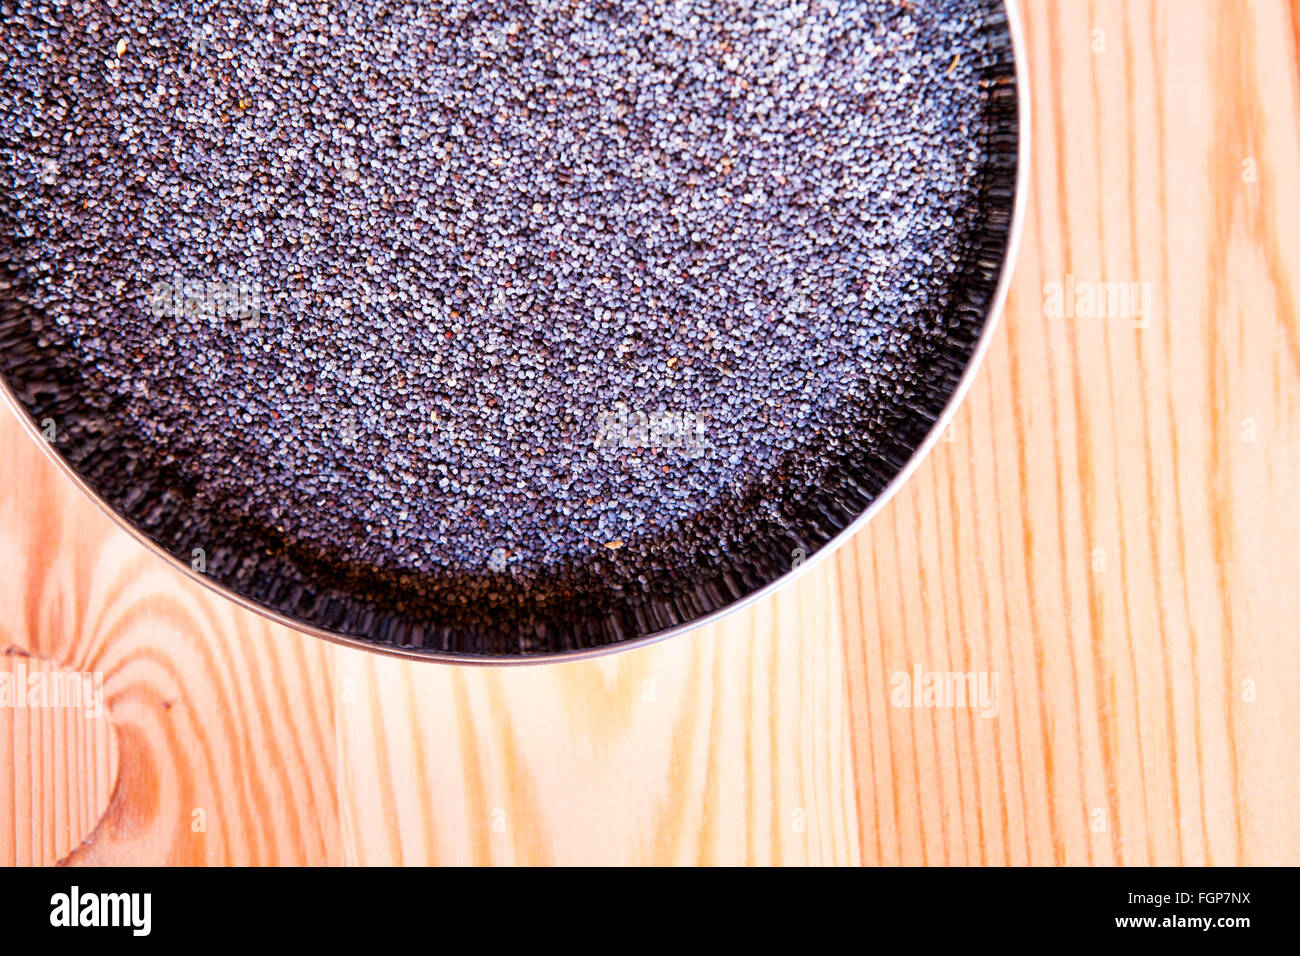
[{"x": 1111, "y": 531}]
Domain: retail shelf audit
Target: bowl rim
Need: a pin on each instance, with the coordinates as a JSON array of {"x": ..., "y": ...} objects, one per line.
[{"x": 992, "y": 317}]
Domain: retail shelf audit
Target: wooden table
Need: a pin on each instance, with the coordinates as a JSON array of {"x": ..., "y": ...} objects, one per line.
[{"x": 1109, "y": 531}]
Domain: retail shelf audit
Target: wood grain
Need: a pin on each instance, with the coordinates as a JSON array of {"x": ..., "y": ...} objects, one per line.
[
  {"x": 224, "y": 730},
  {"x": 1108, "y": 531},
  {"x": 56, "y": 737}
]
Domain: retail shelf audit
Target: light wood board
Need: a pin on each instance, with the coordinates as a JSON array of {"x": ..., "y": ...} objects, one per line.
[{"x": 1110, "y": 528}]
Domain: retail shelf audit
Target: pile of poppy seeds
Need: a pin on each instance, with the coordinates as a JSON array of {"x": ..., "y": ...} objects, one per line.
[{"x": 482, "y": 289}]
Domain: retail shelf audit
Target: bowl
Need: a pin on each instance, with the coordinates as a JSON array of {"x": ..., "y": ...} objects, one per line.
[{"x": 341, "y": 600}]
